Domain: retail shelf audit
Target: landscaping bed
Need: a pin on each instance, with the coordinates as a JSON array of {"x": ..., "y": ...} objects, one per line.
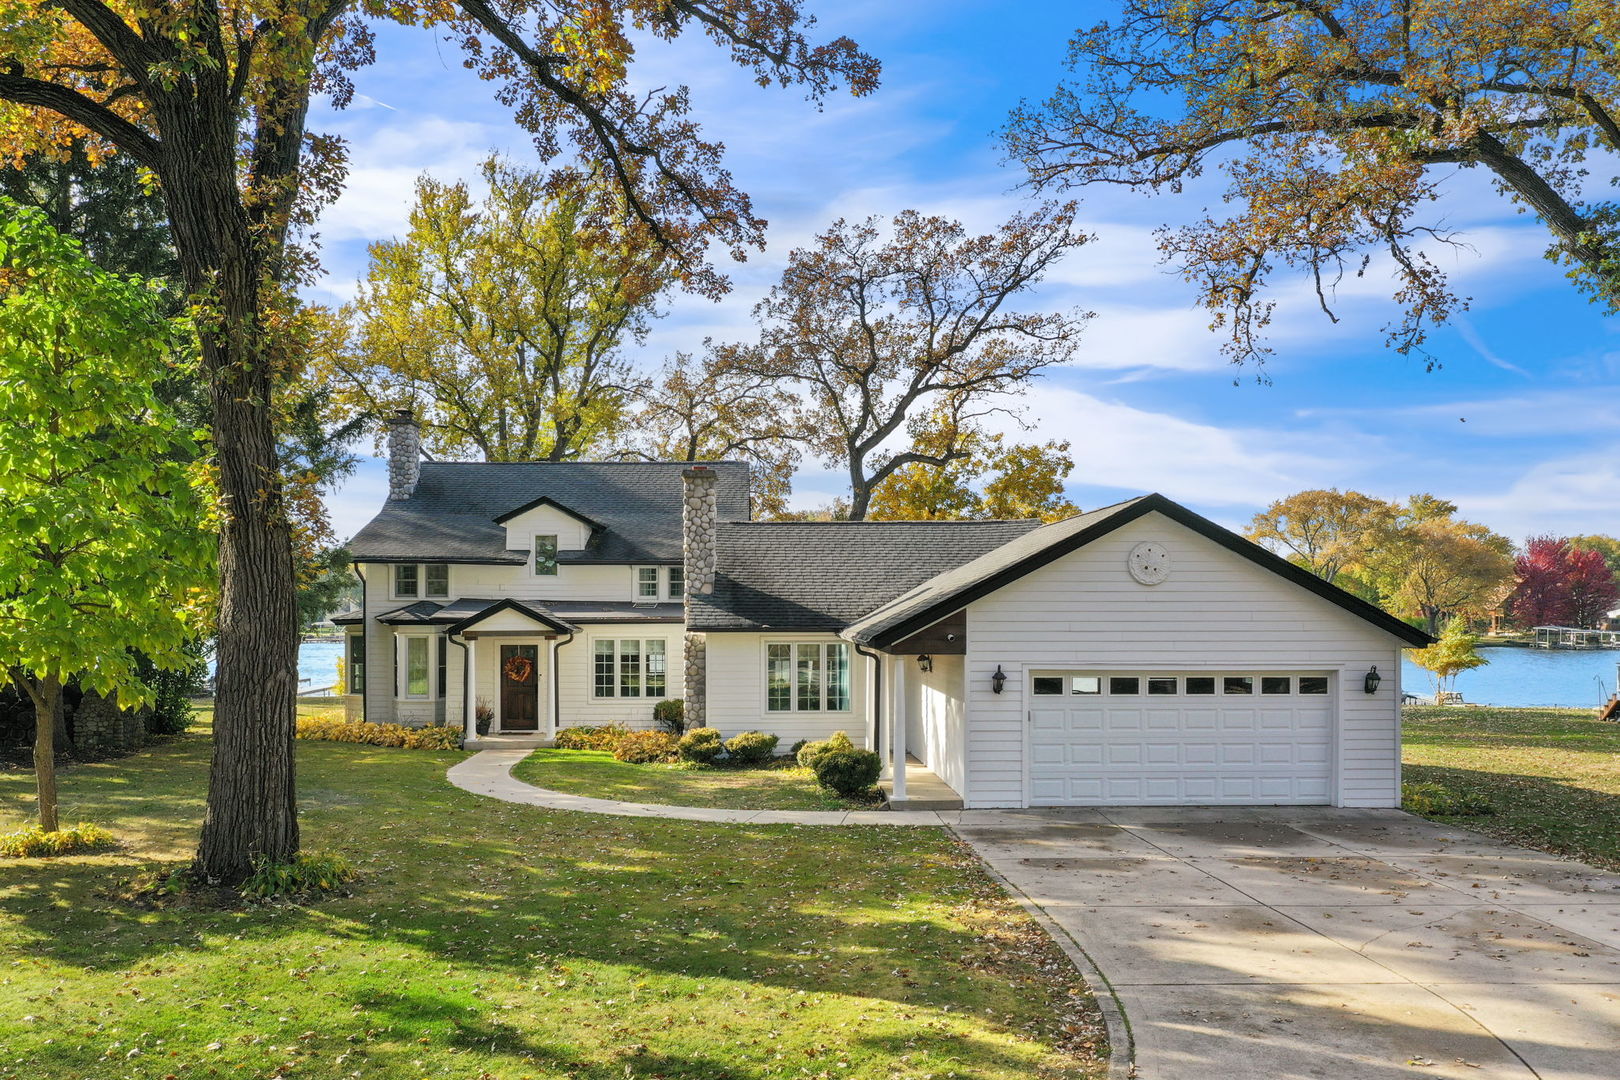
[
  {"x": 1550, "y": 778},
  {"x": 494, "y": 941},
  {"x": 780, "y": 785}
]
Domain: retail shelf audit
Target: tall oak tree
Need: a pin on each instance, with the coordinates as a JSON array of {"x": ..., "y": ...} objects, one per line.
[
  {"x": 880, "y": 328},
  {"x": 212, "y": 98},
  {"x": 1339, "y": 125}
]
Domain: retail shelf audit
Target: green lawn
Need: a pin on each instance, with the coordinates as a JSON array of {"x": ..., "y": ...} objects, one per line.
[
  {"x": 591, "y": 772},
  {"x": 1552, "y": 775},
  {"x": 490, "y": 941}
]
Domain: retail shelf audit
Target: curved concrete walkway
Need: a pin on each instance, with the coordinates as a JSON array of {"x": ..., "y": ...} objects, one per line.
[{"x": 489, "y": 772}]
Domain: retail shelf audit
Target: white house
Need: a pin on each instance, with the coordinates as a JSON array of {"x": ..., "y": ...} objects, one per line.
[{"x": 1137, "y": 654}]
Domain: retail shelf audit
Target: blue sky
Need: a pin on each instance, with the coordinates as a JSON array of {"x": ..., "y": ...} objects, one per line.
[{"x": 1516, "y": 426}]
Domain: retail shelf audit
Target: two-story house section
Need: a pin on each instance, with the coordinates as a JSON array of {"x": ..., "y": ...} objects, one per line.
[
  {"x": 1136, "y": 653},
  {"x": 540, "y": 590}
]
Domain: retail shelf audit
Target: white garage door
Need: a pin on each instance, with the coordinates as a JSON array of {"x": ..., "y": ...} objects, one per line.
[{"x": 1127, "y": 738}]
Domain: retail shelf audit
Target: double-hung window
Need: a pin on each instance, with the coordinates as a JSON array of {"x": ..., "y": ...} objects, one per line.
[
  {"x": 806, "y": 676},
  {"x": 630, "y": 667},
  {"x": 421, "y": 579},
  {"x": 416, "y": 666},
  {"x": 655, "y": 583},
  {"x": 355, "y": 663}
]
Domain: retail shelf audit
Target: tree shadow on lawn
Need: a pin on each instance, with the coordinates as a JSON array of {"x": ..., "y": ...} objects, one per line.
[
  {"x": 452, "y": 882},
  {"x": 1535, "y": 811}
]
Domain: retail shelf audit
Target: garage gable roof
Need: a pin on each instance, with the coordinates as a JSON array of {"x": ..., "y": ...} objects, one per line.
[{"x": 955, "y": 588}]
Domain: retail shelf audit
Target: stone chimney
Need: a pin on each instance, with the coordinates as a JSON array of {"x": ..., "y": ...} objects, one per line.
[
  {"x": 700, "y": 513},
  {"x": 404, "y": 454}
]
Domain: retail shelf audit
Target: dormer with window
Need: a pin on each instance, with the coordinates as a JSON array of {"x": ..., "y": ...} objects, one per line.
[{"x": 545, "y": 527}]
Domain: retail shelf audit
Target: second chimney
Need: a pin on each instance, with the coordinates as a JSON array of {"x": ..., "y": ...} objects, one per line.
[
  {"x": 700, "y": 513},
  {"x": 404, "y": 454}
]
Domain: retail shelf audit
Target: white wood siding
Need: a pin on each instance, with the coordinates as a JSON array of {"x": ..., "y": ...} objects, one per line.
[
  {"x": 936, "y": 725},
  {"x": 571, "y": 533},
  {"x": 579, "y": 705},
  {"x": 736, "y": 681},
  {"x": 1217, "y": 611},
  {"x": 588, "y": 582}
]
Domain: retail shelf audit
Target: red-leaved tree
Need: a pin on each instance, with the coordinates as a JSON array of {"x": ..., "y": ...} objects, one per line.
[
  {"x": 1592, "y": 591},
  {"x": 1542, "y": 596}
]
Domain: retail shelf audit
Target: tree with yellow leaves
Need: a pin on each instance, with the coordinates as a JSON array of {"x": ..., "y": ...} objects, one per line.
[{"x": 212, "y": 97}]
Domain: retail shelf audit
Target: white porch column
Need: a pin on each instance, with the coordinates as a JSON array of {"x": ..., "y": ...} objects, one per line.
[
  {"x": 897, "y": 730},
  {"x": 471, "y": 683},
  {"x": 551, "y": 689}
]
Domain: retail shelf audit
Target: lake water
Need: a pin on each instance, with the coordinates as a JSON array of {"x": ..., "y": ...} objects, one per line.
[
  {"x": 1529, "y": 677},
  {"x": 317, "y": 664}
]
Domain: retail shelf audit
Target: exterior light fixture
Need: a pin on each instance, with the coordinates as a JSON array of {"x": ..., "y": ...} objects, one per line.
[
  {"x": 925, "y": 663},
  {"x": 998, "y": 681},
  {"x": 1371, "y": 681}
]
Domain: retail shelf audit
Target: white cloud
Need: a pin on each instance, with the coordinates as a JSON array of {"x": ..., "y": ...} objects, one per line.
[
  {"x": 1120, "y": 446},
  {"x": 1566, "y": 495}
]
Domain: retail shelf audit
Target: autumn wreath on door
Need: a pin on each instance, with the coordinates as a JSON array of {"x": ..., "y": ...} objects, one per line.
[{"x": 519, "y": 669}]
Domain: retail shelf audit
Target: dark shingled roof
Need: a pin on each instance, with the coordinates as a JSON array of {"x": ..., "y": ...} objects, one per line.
[
  {"x": 576, "y": 612},
  {"x": 822, "y": 575},
  {"x": 908, "y": 612},
  {"x": 451, "y": 517}
]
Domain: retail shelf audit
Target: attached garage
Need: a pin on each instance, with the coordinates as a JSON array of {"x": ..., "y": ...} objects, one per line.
[
  {"x": 1143, "y": 655},
  {"x": 1134, "y": 738}
]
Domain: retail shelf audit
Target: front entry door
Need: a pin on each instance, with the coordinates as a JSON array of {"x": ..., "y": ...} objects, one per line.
[{"x": 520, "y": 682}]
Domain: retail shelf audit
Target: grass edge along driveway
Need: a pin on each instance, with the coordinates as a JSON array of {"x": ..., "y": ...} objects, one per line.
[
  {"x": 492, "y": 941},
  {"x": 1551, "y": 776}
]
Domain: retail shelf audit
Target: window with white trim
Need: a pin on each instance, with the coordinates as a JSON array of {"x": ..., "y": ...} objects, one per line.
[
  {"x": 355, "y": 663},
  {"x": 807, "y": 676},
  {"x": 655, "y": 583},
  {"x": 412, "y": 580},
  {"x": 630, "y": 667},
  {"x": 416, "y": 665}
]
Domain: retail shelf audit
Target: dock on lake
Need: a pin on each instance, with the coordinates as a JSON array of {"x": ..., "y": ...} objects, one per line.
[{"x": 1574, "y": 637}]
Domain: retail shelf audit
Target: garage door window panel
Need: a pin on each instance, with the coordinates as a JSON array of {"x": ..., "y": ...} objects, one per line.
[{"x": 1124, "y": 685}]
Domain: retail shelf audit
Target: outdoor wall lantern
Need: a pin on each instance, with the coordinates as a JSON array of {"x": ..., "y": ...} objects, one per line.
[
  {"x": 1371, "y": 681},
  {"x": 998, "y": 681},
  {"x": 925, "y": 663}
]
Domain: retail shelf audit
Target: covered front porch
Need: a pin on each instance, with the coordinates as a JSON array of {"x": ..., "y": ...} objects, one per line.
[
  {"x": 510, "y": 666},
  {"x": 921, "y": 717}
]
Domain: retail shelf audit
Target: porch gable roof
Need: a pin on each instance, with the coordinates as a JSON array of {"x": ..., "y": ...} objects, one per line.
[{"x": 531, "y": 611}]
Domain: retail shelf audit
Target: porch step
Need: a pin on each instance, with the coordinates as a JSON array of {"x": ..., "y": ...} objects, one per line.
[
  {"x": 924, "y": 790},
  {"x": 507, "y": 742}
]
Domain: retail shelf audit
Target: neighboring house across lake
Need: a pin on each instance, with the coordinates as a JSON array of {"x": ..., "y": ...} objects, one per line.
[{"x": 1136, "y": 654}]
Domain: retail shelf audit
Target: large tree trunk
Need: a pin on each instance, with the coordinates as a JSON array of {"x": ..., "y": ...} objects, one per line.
[
  {"x": 46, "y": 694},
  {"x": 252, "y": 812}
]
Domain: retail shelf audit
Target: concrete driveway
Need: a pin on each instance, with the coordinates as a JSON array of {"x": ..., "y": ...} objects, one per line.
[{"x": 1278, "y": 943}]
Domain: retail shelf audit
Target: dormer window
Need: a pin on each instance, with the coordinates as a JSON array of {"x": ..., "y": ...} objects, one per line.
[
  {"x": 545, "y": 556},
  {"x": 413, "y": 580}
]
